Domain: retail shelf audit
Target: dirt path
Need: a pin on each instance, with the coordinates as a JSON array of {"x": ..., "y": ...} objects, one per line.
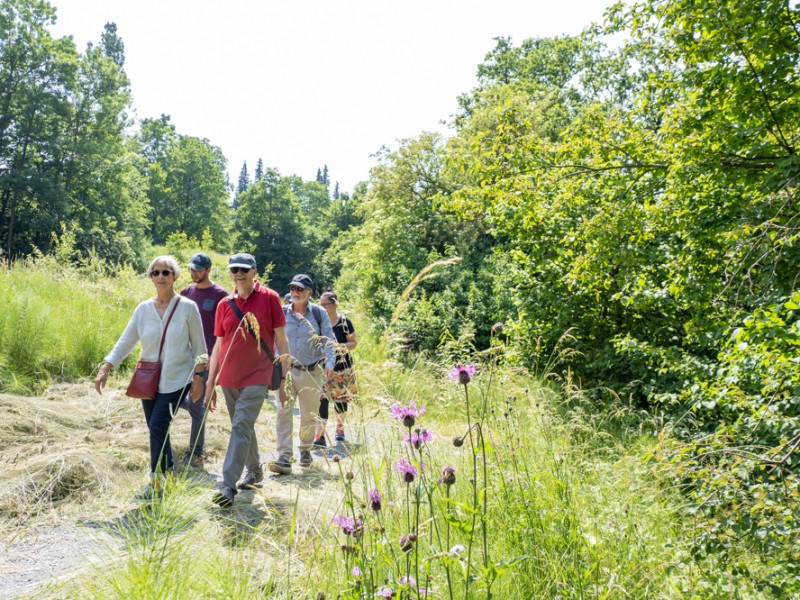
[{"x": 67, "y": 534}]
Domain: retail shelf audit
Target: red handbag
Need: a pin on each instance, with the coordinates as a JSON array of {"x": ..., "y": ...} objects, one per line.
[{"x": 147, "y": 374}]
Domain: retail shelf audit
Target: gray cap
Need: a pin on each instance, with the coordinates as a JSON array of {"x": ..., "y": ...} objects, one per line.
[
  {"x": 200, "y": 262},
  {"x": 302, "y": 280},
  {"x": 247, "y": 261}
]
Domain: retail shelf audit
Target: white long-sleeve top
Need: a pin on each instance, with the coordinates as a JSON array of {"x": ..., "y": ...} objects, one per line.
[{"x": 183, "y": 343}]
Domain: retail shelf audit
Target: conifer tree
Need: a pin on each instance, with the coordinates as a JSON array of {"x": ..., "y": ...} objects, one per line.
[
  {"x": 259, "y": 170},
  {"x": 244, "y": 180},
  {"x": 325, "y": 178}
]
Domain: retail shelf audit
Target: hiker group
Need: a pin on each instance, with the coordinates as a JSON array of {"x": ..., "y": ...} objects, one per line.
[{"x": 248, "y": 342}]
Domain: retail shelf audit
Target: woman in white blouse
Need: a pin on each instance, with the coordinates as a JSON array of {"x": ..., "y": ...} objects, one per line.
[{"x": 183, "y": 362}]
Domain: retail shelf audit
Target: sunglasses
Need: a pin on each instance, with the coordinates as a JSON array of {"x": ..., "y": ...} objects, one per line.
[
  {"x": 296, "y": 288},
  {"x": 236, "y": 270},
  {"x": 164, "y": 272}
]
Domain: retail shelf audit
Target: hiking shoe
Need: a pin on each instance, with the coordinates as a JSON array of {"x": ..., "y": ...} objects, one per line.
[
  {"x": 224, "y": 496},
  {"x": 282, "y": 466},
  {"x": 320, "y": 442},
  {"x": 305, "y": 458},
  {"x": 194, "y": 461},
  {"x": 148, "y": 495},
  {"x": 339, "y": 434},
  {"x": 251, "y": 480}
]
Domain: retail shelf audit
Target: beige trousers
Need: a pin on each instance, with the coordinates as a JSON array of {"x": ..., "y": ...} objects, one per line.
[{"x": 306, "y": 388}]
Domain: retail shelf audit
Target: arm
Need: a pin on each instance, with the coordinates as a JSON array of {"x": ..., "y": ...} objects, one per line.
[
  {"x": 198, "y": 342},
  {"x": 125, "y": 344},
  {"x": 350, "y": 332},
  {"x": 330, "y": 344},
  {"x": 213, "y": 364},
  {"x": 282, "y": 342}
]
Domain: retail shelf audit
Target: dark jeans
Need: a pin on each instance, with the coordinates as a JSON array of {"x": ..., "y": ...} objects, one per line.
[
  {"x": 158, "y": 414},
  {"x": 197, "y": 410}
]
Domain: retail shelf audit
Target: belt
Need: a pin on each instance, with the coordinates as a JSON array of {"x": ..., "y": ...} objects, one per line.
[{"x": 311, "y": 367}]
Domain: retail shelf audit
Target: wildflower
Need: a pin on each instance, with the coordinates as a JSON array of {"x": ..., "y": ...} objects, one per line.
[
  {"x": 457, "y": 549},
  {"x": 375, "y": 499},
  {"x": 417, "y": 438},
  {"x": 408, "y": 580},
  {"x": 408, "y": 470},
  {"x": 407, "y": 542},
  {"x": 407, "y": 414},
  {"x": 458, "y": 441},
  {"x": 385, "y": 592},
  {"x": 463, "y": 373},
  {"x": 448, "y": 476},
  {"x": 348, "y": 525},
  {"x": 336, "y": 458},
  {"x": 356, "y": 571}
]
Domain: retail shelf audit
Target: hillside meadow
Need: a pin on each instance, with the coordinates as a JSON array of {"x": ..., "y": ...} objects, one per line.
[{"x": 503, "y": 486}]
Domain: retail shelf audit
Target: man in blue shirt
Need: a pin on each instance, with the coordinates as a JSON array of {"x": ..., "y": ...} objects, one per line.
[{"x": 312, "y": 356}]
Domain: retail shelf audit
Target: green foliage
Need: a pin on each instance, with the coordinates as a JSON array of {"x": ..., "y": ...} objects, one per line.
[
  {"x": 188, "y": 192},
  {"x": 642, "y": 198},
  {"x": 62, "y": 120},
  {"x": 271, "y": 226}
]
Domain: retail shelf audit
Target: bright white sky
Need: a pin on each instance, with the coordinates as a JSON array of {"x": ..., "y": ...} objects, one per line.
[{"x": 302, "y": 84}]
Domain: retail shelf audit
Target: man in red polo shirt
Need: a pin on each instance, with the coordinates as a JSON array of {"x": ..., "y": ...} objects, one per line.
[{"x": 243, "y": 370}]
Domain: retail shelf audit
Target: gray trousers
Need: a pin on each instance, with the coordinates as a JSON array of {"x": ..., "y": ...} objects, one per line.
[{"x": 243, "y": 407}]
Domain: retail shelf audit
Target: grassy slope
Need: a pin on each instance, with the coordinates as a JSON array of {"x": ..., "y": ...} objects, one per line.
[{"x": 571, "y": 510}]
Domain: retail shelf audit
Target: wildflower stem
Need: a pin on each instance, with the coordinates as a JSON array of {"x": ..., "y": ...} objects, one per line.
[{"x": 474, "y": 494}]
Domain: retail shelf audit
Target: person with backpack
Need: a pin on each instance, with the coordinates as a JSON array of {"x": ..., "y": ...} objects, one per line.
[
  {"x": 341, "y": 389},
  {"x": 311, "y": 361}
]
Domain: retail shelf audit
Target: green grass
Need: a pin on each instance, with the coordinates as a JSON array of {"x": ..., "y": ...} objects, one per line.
[{"x": 553, "y": 500}]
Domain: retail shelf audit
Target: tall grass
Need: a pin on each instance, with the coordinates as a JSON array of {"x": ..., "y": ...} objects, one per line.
[
  {"x": 547, "y": 502},
  {"x": 59, "y": 320}
]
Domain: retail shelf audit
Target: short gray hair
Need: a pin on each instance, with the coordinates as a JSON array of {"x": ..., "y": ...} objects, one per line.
[{"x": 168, "y": 260}]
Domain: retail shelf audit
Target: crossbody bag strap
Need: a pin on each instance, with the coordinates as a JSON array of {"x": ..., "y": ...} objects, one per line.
[
  {"x": 164, "y": 333},
  {"x": 239, "y": 314}
]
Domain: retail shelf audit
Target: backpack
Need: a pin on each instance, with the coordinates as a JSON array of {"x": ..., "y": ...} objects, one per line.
[{"x": 316, "y": 312}]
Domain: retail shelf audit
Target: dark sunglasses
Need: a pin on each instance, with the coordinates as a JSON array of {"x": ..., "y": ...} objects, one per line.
[
  {"x": 236, "y": 270},
  {"x": 164, "y": 272},
  {"x": 296, "y": 288}
]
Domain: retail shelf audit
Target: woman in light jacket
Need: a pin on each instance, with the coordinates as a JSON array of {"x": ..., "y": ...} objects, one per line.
[{"x": 183, "y": 362}]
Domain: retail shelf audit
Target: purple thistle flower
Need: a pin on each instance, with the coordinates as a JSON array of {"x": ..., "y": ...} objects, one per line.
[
  {"x": 417, "y": 438},
  {"x": 348, "y": 525},
  {"x": 407, "y": 414},
  {"x": 408, "y": 470},
  {"x": 385, "y": 592},
  {"x": 407, "y": 542},
  {"x": 463, "y": 373},
  {"x": 408, "y": 579},
  {"x": 375, "y": 499},
  {"x": 448, "y": 476},
  {"x": 356, "y": 571}
]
